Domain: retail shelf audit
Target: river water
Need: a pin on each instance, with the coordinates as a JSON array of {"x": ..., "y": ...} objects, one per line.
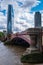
[{"x": 10, "y": 55}]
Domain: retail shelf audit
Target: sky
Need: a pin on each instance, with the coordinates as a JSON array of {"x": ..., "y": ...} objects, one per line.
[{"x": 24, "y": 11}]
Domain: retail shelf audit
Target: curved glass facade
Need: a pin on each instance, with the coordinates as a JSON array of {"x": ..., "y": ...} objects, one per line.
[{"x": 10, "y": 19}]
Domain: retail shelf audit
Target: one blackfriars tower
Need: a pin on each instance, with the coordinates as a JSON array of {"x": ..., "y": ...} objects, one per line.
[
  {"x": 37, "y": 19},
  {"x": 9, "y": 19}
]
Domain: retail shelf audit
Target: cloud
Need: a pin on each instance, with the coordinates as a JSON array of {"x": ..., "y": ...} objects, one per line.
[
  {"x": 38, "y": 7},
  {"x": 41, "y": 11},
  {"x": 23, "y": 19},
  {"x": 3, "y": 21},
  {"x": 42, "y": 19},
  {"x": 19, "y": 3},
  {"x": 28, "y": 3}
]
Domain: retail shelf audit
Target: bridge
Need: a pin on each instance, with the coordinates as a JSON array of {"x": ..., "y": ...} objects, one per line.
[
  {"x": 24, "y": 36},
  {"x": 31, "y": 36}
]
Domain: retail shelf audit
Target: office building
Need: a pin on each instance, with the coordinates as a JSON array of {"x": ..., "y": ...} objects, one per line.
[{"x": 9, "y": 19}]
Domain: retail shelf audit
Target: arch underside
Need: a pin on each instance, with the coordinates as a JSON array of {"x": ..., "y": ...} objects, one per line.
[{"x": 20, "y": 41}]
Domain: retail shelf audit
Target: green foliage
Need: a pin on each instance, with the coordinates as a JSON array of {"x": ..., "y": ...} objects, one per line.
[
  {"x": 1, "y": 34},
  {"x": 33, "y": 58}
]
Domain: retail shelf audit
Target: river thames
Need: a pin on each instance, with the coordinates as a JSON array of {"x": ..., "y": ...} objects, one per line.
[{"x": 10, "y": 55}]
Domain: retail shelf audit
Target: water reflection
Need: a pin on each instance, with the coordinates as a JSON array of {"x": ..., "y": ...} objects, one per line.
[{"x": 10, "y": 55}]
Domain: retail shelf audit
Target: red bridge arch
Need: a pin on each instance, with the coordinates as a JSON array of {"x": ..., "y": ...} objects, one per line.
[{"x": 24, "y": 37}]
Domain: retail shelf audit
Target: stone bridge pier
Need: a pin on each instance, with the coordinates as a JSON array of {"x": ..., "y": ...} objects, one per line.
[{"x": 36, "y": 38}]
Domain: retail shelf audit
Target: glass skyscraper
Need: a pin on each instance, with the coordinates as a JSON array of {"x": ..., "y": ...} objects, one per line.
[
  {"x": 37, "y": 19},
  {"x": 10, "y": 20}
]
